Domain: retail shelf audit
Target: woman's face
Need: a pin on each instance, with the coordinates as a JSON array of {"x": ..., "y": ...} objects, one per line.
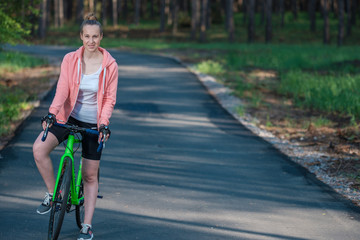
[{"x": 91, "y": 37}]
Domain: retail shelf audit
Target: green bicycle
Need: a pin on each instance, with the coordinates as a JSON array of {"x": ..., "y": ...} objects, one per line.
[{"x": 68, "y": 187}]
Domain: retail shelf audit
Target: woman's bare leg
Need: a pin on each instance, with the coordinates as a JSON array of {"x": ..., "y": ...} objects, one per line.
[
  {"x": 41, "y": 151},
  {"x": 90, "y": 179}
]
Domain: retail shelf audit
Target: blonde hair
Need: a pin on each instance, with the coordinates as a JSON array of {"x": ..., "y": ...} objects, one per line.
[{"x": 90, "y": 19}]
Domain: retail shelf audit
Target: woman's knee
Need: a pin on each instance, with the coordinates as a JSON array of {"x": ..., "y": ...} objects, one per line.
[
  {"x": 89, "y": 177},
  {"x": 41, "y": 150}
]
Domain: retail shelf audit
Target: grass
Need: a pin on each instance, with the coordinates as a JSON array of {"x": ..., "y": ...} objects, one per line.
[
  {"x": 15, "y": 61},
  {"x": 13, "y": 100}
]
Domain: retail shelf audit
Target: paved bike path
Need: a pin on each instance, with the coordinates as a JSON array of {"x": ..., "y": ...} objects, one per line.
[{"x": 176, "y": 167}]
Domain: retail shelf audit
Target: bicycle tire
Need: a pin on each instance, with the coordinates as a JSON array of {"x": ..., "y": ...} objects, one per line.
[
  {"x": 59, "y": 205},
  {"x": 80, "y": 209}
]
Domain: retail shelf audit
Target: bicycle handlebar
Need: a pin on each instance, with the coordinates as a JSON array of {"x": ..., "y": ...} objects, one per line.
[{"x": 76, "y": 129}]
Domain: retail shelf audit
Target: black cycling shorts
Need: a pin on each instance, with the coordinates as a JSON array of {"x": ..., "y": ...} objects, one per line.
[{"x": 89, "y": 141}]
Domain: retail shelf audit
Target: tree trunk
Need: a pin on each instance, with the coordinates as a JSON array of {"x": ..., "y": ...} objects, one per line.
[
  {"x": 61, "y": 13},
  {"x": 115, "y": 12},
  {"x": 262, "y": 11},
  {"x": 56, "y": 13},
  {"x": 251, "y": 22},
  {"x": 312, "y": 15},
  {"x": 203, "y": 21},
  {"x": 152, "y": 9},
  {"x": 91, "y": 6},
  {"x": 245, "y": 10},
  {"x": 43, "y": 19},
  {"x": 168, "y": 12},
  {"x": 137, "y": 12},
  {"x": 341, "y": 22},
  {"x": 326, "y": 21},
  {"x": 79, "y": 11},
  {"x": 348, "y": 17},
  {"x": 194, "y": 17},
  {"x": 282, "y": 12},
  {"x": 226, "y": 9},
  {"x": 103, "y": 12},
  {"x": 175, "y": 16},
  {"x": 354, "y": 6},
  {"x": 230, "y": 19},
  {"x": 268, "y": 24},
  {"x": 208, "y": 15},
  {"x": 125, "y": 10},
  {"x": 294, "y": 8},
  {"x": 162, "y": 15}
]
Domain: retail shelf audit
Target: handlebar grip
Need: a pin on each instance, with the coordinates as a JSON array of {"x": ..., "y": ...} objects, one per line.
[
  {"x": 92, "y": 131},
  {"x": 100, "y": 146},
  {"x": 45, "y": 135},
  {"x": 45, "y": 132}
]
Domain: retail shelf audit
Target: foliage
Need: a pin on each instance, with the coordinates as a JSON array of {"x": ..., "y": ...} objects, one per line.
[
  {"x": 211, "y": 67},
  {"x": 10, "y": 30},
  {"x": 11, "y": 104},
  {"x": 14, "y": 99}
]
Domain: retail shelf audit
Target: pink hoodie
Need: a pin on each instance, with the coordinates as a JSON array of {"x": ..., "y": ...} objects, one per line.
[{"x": 69, "y": 82}]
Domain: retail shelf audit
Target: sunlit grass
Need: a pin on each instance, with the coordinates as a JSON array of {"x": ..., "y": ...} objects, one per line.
[{"x": 15, "y": 61}]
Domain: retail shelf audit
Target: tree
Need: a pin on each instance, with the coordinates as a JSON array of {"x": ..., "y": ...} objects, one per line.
[
  {"x": 230, "y": 19},
  {"x": 294, "y": 8},
  {"x": 325, "y": 7},
  {"x": 312, "y": 15},
  {"x": 341, "y": 22},
  {"x": 162, "y": 15},
  {"x": 56, "y": 13},
  {"x": 11, "y": 30},
  {"x": 268, "y": 24},
  {"x": 61, "y": 13},
  {"x": 251, "y": 22},
  {"x": 282, "y": 11},
  {"x": 79, "y": 11},
  {"x": 137, "y": 12},
  {"x": 348, "y": 17},
  {"x": 125, "y": 9},
  {"x": 194, "y": 16},
  {"x": 203, "y": 20},
  {"x": 115, "y": 12},
  {"x": 175, "y": 16},
  {"x": 43, "y": 19},
  {"x": 91, "y": 6},
  {"x": 103, "y": 12}
]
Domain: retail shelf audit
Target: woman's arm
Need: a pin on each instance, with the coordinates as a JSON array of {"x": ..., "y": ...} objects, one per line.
[
  {"x": 109, "y": 98},
  {"x": 62, "y": 89}
]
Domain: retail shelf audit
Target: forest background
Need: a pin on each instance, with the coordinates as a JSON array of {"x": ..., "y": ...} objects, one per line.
[{"x": 293, "y": 63}]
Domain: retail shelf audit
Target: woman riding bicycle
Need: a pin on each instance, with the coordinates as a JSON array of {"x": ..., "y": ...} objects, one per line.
[{"x": 85, "y": 96}]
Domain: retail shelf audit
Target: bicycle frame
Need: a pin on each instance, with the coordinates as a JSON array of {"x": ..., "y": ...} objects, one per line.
[{"x": 75, "y": 181}]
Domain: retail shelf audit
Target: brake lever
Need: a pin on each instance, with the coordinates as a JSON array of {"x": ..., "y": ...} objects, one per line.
[{"x": 104, "y": 139}]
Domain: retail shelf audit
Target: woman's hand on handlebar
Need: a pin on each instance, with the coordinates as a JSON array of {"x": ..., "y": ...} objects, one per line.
[
  {"x": 104, "y": 131},
  {"x": 48, "y": 120}
]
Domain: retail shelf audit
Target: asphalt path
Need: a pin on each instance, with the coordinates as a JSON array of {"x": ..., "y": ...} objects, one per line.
[{"x": 177, "y": 166}]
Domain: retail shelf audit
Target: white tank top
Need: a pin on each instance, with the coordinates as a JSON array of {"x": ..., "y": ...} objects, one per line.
[{"x": 85, "y": 109}]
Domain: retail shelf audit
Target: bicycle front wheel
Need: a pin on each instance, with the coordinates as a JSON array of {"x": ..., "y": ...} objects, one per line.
[
  {"x": 59, "y": 204},
  {"x": 80, "y": 209}
]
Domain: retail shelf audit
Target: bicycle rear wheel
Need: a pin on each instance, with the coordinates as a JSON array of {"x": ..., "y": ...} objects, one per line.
[
  {"x": 80, "y": 209},
  {"x": 59, "y": 204}
]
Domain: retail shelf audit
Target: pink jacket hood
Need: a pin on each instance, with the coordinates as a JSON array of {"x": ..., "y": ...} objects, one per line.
[{"x": 69, "y": 82}]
